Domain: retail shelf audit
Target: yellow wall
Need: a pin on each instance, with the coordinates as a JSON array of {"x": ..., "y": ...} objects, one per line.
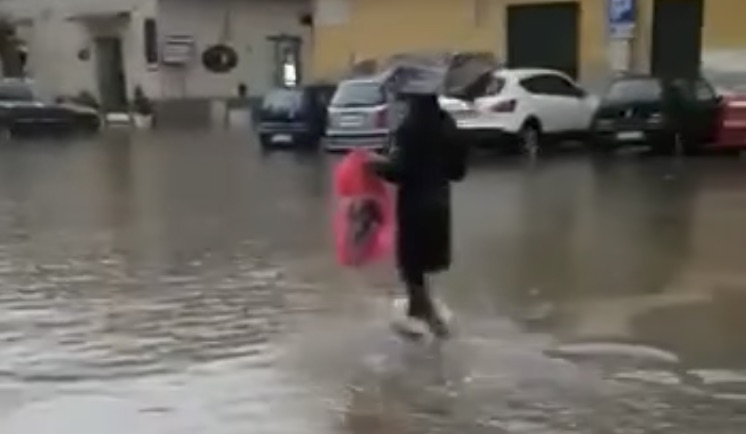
[
  {"x": 724, "y": 35},
  {"x": 379, "y": 28},
  {"x": 724, "y": 25}
]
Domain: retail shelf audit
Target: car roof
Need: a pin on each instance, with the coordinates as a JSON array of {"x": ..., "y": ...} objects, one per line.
[
  {"x": 11, "y": 80},
  {"x": 319, "y": 85},
  {"x": 368, "y": 79},
  {"x": 521, "y": 73}
]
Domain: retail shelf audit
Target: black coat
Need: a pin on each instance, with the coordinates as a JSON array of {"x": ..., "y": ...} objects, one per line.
[{"x": 425, "y": 159}]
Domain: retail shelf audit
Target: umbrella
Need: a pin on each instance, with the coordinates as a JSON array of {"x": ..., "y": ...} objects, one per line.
[
  {"x": 414, "y": 78},
  {"x": 445, "y": 74}
]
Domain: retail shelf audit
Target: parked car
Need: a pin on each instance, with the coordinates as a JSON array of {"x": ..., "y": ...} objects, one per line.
[
  {"x": 290, "y": 117},
  {"x": 361, "y": 115},
  {"x": 731, "y": 87},
  {"x": 23, "y": 112},
  {"x": 522, "y": 107},
  {"x": 633, "y": 112},
  {"x": 732, "y": 126}
]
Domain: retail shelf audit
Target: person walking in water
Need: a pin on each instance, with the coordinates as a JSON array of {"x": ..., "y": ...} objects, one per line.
[{"x": 425, "y": 158}]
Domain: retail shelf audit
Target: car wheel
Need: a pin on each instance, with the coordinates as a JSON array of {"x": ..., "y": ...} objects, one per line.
[
  {"x": 265, "y": 142},
  {"x": 89, "y": 129},
  {"x": 665, "y": 146},
  {"x": 602, "y": 148},
  {"x": 5, "y": 134},
  {"x": 530, "y": 139},
  {"x": 690, "y": 146}
]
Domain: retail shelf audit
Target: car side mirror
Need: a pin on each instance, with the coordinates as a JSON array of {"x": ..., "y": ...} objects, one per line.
[{"x": 580, "y": 93}]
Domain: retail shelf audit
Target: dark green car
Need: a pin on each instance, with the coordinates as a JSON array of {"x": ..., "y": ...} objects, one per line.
[
  {"x": 294, "y": 117},
  {"x": 661, "y": 114}
]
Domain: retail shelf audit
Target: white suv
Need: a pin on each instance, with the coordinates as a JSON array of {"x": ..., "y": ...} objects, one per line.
[{"x": 524, "y": 107}]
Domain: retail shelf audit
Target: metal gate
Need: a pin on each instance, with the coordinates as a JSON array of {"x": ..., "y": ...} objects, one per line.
[
  {"x": 677, "y": 37},
  {"x": 544, "y": 35}
]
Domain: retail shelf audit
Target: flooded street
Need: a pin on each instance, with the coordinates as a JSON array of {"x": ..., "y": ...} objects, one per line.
[{"x": 186, "y": 284}]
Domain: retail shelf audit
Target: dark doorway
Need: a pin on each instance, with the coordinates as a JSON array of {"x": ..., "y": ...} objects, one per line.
[
  {"x": 544, "y": 36},
  {"x": 110, "y": 70},
  {"x": 677, "y": 38}
]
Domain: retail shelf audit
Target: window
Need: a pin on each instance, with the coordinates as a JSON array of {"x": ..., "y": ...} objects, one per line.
[
  {"x": 549, "y": 85},
  {"x": 283, "y": 100},
  {"x": 150, "y": 35},
  {"x": 358, "y": 94},
  {"x": 16, "y": 92},
  {"x": 535, "y": 85},
  {"x": 495, "y": 86},
  {"x": 703, "y": 91},
  {"x": 643, "y": 89},
  {"x": 286, "y": 60},
  {"x": 562, "y": 87},
  {"x": 696, "y": 90}
]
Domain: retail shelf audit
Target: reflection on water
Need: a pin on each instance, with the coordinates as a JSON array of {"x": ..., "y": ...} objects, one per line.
[{"x": 184, "y": 283}]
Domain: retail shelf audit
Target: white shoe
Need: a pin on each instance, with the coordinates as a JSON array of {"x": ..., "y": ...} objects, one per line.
[
  {"x": 418, "y": 328},
  {"x": 411, "y": 328}
]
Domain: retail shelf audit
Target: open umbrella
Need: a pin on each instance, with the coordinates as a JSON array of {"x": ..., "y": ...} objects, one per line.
[{"x": 413, "y": 78}]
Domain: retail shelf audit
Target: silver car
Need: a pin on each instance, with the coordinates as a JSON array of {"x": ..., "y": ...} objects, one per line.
[{"x": 361, "y": 115}]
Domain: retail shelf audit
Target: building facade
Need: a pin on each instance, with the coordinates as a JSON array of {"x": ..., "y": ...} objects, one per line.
[
  {"x": 667, "y": 36},
  {"x": 111, "y": 47}
]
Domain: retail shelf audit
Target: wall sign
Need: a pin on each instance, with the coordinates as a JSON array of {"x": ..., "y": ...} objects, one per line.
[
  {"x": 84, "y": 54},
  {"x": 178, "y": 50},
  {"x": 220, "y": 59},
  {"x": 622, "y": 16}
]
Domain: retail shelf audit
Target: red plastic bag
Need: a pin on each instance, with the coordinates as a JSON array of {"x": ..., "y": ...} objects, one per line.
[{"x": 363, "y": 221}]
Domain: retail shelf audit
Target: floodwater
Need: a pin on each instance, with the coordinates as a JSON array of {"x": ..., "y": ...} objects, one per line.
[{"x": 185, "y": 284}]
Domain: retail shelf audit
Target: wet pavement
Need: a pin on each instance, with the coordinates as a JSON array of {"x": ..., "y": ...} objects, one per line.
[{"x": 185, "y": 284}]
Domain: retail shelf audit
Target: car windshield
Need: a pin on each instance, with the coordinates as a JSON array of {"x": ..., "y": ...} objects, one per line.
[
  {"x": 16, "y": 92},
  {"x": 358, "y": 94},
  {"x": 645, "y": 89},
  {"x": 283, "y": 100}
]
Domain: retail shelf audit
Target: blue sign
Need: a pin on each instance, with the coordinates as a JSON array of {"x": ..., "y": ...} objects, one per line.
[{"x": 622, "y": 17}]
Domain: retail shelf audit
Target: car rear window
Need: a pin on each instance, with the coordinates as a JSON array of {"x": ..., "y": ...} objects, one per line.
[
  {"x": 495, "y": 86},
  {"x": 16, "y": 92},
  {"x": 635, "y": 90},
  {"x": 283, "y": 100},
  {"x": 358, "y": 94}
]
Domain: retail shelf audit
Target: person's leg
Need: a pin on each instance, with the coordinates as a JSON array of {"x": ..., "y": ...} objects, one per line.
[{"x": 419, "y": 303}]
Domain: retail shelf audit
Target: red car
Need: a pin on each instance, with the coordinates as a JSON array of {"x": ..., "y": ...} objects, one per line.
[{"x": 732, "y": 126}]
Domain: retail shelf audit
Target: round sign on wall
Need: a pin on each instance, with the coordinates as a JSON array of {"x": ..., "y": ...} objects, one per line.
[
  {"x": 84, "y": 54},
  {"x": 220, "y": 58}
]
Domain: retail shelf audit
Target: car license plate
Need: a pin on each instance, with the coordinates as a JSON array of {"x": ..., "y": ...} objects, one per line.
[
  {"x": 282, "y": 138},
  {"x": 630, "y": 135},
  {"x": 351, "y": 121}
]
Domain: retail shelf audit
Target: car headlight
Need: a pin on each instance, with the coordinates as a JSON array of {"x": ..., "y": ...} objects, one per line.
[
  {"x": 604, "y": 124},
  {"x": 655, "y": 118}
]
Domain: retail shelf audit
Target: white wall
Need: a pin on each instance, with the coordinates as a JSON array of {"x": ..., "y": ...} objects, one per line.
[
  {"x": 54, "y": 42},
  {"x": 250, "y": 23},
  {"x": 54, "y": 37}
]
